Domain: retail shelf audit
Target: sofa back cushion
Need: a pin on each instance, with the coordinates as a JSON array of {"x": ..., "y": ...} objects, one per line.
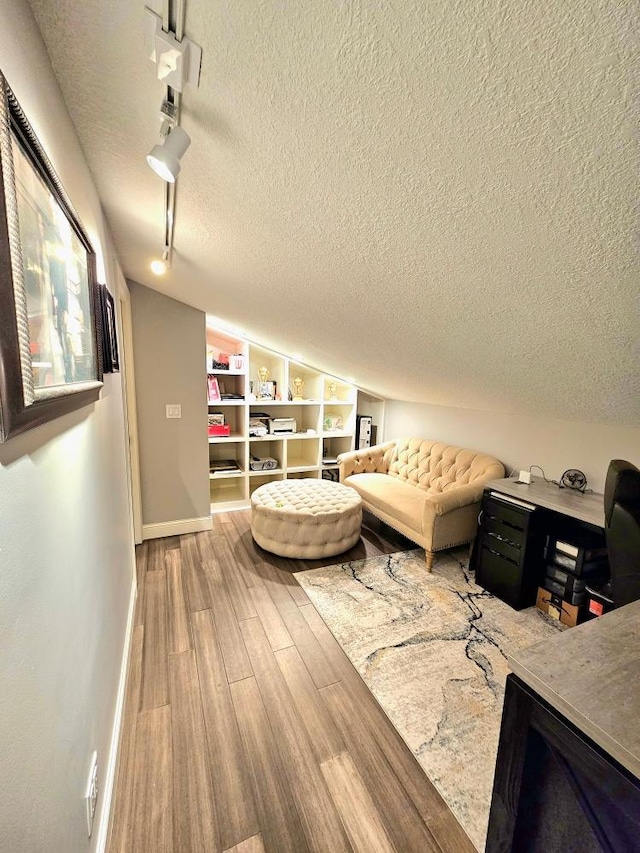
[{"x": 437, "y": 467}]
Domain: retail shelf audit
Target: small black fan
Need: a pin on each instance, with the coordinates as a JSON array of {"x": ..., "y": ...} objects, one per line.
[{"x": 573, "y": 479}]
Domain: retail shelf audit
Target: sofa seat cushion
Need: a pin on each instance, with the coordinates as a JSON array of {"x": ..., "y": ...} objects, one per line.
[{"x": 382, "y": 492}]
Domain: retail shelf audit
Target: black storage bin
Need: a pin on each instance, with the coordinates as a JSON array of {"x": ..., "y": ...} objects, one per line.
[
  {"x": 599, "y": 600},
  {"x": 572, "y": 584}
]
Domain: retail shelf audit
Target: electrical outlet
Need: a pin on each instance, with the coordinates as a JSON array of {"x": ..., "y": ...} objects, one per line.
[
  {"x": 174, "y": 410},
  {"x": 91, "y": 794}
]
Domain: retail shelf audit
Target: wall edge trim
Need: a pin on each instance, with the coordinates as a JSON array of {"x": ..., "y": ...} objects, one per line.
[
  {"x": 109, "y": 782},
  {"x": 176, "y": 528}
]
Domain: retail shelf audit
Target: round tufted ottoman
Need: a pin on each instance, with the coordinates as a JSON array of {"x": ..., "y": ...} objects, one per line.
[{"x": 305, "y": 518}]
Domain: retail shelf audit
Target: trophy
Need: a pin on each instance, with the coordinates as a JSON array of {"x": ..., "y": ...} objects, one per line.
[{"x": 298, "y": 385}]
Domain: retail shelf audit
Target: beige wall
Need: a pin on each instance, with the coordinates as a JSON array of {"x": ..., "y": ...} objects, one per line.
[
  {"x": 169, "y": 351},
  {"x": 66, "y": 550},
  {"x": 520, "y": 441}
]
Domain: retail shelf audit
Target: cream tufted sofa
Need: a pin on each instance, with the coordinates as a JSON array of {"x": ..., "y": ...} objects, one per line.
[{"x": 427, "y": 490}]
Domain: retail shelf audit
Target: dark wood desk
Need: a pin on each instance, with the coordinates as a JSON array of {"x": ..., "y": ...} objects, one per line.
[
  {"x": 516, "y": 522},
  {"x": 569, "y": 754},
  {"x": 587, "y": 507}
]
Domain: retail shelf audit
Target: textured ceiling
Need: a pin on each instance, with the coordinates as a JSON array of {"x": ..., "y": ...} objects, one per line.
[{"x": 436, "y": 197}]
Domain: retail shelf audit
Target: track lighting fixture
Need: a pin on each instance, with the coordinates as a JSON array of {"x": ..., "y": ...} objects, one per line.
[
  {"x": 177, "y": 63},
  {"x": 164, "y": 159},
  {"x": 160, "y": 266}
]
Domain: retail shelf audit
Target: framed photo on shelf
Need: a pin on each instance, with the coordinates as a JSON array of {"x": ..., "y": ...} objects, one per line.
[
  {"x": 49, "y": 347},
  {"x": 213, "y": 390},
  {"x": 266, "y": 390}
]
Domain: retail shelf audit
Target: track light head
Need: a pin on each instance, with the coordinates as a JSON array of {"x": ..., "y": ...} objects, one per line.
[
  {"x": 164, "y": 159},
  {"x": 159, "y": 267}
]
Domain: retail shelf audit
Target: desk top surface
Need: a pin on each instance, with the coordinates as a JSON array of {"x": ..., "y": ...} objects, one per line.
[
  {"x": 587, "y": 507},
  {"x": 591, "y": 675}
]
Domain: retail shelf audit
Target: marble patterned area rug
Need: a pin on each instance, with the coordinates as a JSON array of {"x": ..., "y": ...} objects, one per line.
[{"x": 431, "y": 648}]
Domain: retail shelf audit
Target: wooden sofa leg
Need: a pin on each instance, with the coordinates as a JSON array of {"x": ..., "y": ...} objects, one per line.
[{"x": 429, "y": 555}]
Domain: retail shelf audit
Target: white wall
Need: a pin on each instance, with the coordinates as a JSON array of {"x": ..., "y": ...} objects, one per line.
[
  {"x": 66, "y": 550},
  {"x": 519, "y": 440}
]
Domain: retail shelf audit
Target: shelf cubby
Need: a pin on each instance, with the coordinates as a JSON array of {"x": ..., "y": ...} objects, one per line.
[
  {"x": 306, "y": 416},
  {"x": 311, "y": 474},
  {"x": 229, "y": 382},
  {"x": 262, "y": 477},
  {"x": 267, "y": 447},
  {"x": 333, "y": 446},
  {"x": 311, "y": 379},
  {"x": 227, "y": 492},
  {"x": 338, "y": 413},
  {"x": 234, "y": 416},
  {"x": 303, "y": 453},
  {"x": 234, "y": 450},
  {"x": 342, "y": 391},
  {"x": 259, "y": 358},
  {"x": 225, "y": 347}
]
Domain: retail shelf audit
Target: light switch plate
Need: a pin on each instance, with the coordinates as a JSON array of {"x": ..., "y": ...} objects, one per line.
[{"x": 174, "y": 410}]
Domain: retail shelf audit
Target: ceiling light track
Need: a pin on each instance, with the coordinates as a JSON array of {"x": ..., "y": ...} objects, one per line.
[{"x": 177, "y": 62}]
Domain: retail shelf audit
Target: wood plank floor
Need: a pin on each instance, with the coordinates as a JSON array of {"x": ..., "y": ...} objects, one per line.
[{"x": 245, "y": 727}]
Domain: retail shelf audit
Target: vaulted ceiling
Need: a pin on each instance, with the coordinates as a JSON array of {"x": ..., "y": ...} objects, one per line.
[{"x": 436, "y": 197}]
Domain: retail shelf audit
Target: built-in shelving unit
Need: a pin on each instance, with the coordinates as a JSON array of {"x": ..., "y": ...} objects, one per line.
[{"x": 305, "y": 424}]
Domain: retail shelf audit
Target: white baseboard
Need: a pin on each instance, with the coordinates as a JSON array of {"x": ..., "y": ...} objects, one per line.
[
  {"x": 176, "y": 528},
  {"x": 109, "y": 781}
]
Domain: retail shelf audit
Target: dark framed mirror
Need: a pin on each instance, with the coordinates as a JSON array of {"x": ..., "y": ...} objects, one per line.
[{"x": 49, "y": 363}]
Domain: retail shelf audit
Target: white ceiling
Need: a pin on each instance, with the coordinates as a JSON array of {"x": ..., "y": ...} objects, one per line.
[{"x": 436, "y": 197}]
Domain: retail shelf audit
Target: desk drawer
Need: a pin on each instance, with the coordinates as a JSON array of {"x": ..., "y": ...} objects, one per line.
[
  {"x": 508, "y": 513},
  {"x": 496, "y": 527},
  {"x": 499, "y": 575},
  {"x": 506, "y": 549}
]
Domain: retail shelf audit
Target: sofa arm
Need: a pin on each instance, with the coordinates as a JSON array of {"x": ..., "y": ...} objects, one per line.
[
  {"x": 367, "y": 460},
  {"x": 441, "y": 502}
]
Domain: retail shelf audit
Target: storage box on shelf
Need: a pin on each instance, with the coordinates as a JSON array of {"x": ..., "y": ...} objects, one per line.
[{"x": 570, "y": 566}]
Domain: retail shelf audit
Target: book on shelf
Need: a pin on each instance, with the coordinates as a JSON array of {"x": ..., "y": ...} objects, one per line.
[
  {"x": 220, "y": 466},
  {"x": 213, "y": 390}
]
